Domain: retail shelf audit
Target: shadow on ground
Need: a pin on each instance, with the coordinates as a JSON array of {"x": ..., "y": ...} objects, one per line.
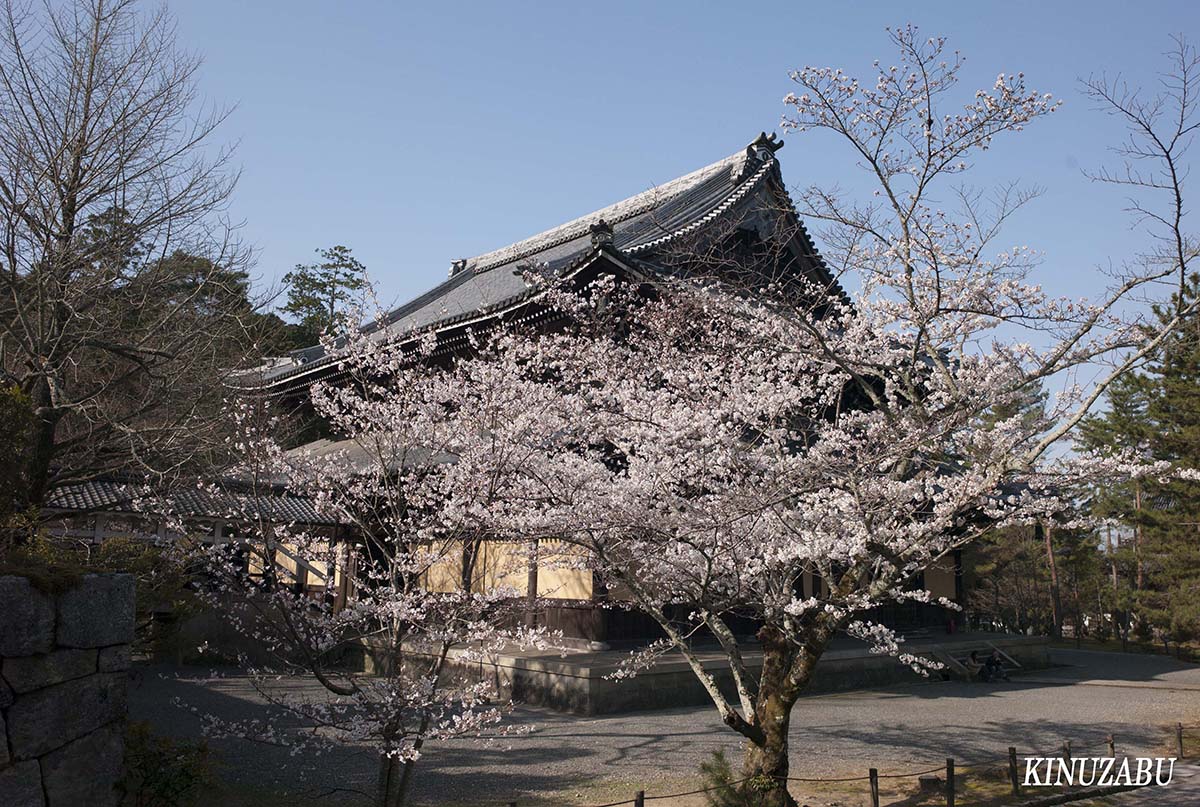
[{"x": 579, "y": 760}]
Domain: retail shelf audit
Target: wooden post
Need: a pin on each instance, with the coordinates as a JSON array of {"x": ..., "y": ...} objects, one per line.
[
  {"x": 640, "y": 799},
  {"x": 949, "y": 781},
  {"x": 873, "y": 775},
  {"x": 1112, "y": 745},
  {"x": 1067, "y": 753},
  {"x": 1012, "y": 770},
  {"x": 531, "y": 586},
  {"x": 1179, "y": 739}
]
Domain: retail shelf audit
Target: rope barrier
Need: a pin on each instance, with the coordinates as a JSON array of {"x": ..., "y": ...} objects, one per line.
[
  {"x": 701, "y": 790},
  {"x": 818, "y": 780},
  {"x": 841, "y": 779},
  {"x": 906, "y": 775}
]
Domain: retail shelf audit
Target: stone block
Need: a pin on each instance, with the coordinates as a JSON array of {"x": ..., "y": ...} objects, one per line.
[
  {"x": 85, "y": 771},
  {"x": 26, "y": 618},
  {"x": 49, "y": 718},
  {"x": 34, "y": 672},
  {"x": 21, "y": 785},
  {"x": 115, "y": 658},
  {"x": 98, "y": 612}
]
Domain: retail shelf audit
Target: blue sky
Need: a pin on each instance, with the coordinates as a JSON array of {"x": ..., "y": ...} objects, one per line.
[{"x": 417, "y": 133}]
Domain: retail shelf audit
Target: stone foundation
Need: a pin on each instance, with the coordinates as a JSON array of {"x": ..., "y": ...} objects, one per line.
[
  {"x": 578, "y": 682},
  {"x": 64, "y": 663}
]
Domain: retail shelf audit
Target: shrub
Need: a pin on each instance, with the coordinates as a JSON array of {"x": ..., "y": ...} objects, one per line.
[
  {"x": 726, "y": 790},
  {"x": 163, "y": 772}
]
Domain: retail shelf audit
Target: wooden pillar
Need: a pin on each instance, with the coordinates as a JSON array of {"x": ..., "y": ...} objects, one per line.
[
  {"x": 531, "y": 587},
  {"x": 301, "y": 576},
  {"x": 341, "y": 555},
  {"x": 599, "y": 619},
  {"x": 959, "y": 582}
]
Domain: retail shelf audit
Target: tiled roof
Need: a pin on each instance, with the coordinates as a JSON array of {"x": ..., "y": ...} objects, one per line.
[
  {"x": 230, "y": 502},
  {"x": 640, "y": 223},
  {"x": 351, "y": 454}
]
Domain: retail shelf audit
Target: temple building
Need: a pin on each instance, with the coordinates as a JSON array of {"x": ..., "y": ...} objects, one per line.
[{"x": 735, "y": 215}]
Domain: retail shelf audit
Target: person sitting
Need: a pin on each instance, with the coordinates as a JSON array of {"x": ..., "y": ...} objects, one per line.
[
  {"x": 976, "y": 669},
  {"x": 995, "y": 667}
]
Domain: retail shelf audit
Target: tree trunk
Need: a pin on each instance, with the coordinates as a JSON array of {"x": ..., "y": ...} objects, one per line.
[
  {"x": 394, "y": 782},
  {"x": 41, "y": 447},
  {"x": 766, "y": 762},
  {"x": 405, "y": 785},
  {"x": 1055, "y": 597},
  {"x": 1140, "y": 577},
  {"x": 387, "y": 787}
]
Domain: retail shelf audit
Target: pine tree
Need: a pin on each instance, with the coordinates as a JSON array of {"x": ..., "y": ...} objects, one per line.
[
  {"x": 319, "y": 293},
  {"x": 1157, "y": 412},
  {"x": 1123, "y": 426},
  {"x": 1172, "y": 531}
]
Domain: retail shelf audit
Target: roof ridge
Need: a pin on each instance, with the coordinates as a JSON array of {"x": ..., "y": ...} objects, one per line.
[
  {"x": 747, "y": 185},
  {"x": 702, "y": 195},
  {"x": 614, "y": 213}
]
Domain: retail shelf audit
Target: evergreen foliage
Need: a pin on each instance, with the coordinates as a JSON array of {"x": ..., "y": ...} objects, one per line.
[
  {"x": 319, "y": 294},
  {"x": 1157, "y": 412}
]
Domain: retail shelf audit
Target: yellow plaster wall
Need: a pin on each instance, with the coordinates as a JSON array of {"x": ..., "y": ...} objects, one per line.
[{"x": 505, "y": 563}]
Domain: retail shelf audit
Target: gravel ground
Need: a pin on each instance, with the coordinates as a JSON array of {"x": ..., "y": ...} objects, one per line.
[
  {"x": 1183, "y": 790},
  {"x": 569, "y": 758}
]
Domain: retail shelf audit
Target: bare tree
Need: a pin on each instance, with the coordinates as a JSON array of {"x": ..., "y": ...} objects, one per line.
[
  {"x": 1160, "y": 128},
  {"x": 123, "y": 293}
]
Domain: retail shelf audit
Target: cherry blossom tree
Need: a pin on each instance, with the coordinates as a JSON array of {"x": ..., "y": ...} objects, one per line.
[
  {"x": 395, "y": 579},
  {"x": 709, "y": 447}
]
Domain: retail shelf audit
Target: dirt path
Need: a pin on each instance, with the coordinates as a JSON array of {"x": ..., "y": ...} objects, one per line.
[{"x": 576, "y": 760}]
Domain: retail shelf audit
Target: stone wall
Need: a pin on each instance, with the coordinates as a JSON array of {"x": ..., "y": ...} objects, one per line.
[{"x": 64, "y": 661}]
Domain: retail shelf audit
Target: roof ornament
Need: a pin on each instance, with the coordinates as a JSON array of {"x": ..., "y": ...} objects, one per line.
[
  {"x": 765, "y": 146},
  {"x": 601, "y": 232},
  {"x": 457, "y": 266},
  {"x": 760, "y": 152}
]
